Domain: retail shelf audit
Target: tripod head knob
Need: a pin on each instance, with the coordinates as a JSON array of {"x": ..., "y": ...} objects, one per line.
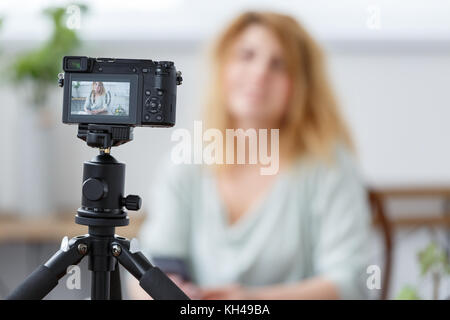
[
  {"x": 132, "y": 202},
  {"x": 94, "y": 189}
]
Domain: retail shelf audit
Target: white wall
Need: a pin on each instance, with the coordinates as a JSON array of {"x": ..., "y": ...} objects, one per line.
[{"x": 398, "y": 105}]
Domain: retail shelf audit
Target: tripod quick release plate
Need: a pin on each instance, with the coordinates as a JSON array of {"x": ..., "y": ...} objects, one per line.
[{"x": 104, "y": 136}]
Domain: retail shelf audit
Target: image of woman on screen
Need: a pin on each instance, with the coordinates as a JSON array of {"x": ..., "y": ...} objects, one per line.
[{"x": 96, "y": 102}]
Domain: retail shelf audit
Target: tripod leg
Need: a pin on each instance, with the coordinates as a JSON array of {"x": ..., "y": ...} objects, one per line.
[
  {"x": 100, "y": 285},
  {"x": 38, "y": 284},
  {"x": 115, "y": 287},
  {"x": 151, "y": 279}
]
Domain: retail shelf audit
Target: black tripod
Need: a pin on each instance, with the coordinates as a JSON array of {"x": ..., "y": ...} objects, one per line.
[{"x": 101, "y": 210}]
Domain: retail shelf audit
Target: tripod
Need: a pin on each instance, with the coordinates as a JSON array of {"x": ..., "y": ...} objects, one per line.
[{"x": 102, "y": 210}]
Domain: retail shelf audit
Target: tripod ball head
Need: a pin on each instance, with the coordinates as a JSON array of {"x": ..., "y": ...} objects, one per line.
[{"x": 103, "y": 201}]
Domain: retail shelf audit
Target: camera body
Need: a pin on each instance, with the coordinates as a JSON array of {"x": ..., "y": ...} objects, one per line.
[{"x": 126, "y": 92}]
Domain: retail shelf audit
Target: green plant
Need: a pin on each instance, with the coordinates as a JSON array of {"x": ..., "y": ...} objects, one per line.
[
  {"x": 408, "y": 293},
  {"x": 43, "y": 64},
  {"x": 433, "y": 262}
]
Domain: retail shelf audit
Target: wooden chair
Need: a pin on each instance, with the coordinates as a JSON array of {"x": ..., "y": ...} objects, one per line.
[
  {"x": 380, "y": 218},
  {"x": 377, "y": 198}
]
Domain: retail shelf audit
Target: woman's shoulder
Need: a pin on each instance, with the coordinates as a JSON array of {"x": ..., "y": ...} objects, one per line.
[
  {"x": 332, "y": 182},
  {"x": 341, "y": 164}
]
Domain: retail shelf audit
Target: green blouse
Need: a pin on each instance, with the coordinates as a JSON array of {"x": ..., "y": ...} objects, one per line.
[{"x": 314, "y": 221}]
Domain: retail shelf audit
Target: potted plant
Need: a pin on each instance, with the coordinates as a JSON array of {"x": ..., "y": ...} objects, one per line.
[
  {"x": 434, "y": 264},
  {"x": 41, "y": 65}
]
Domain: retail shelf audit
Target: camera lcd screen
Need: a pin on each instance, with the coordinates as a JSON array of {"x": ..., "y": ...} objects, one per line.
[{"x": 100, "y": 98}]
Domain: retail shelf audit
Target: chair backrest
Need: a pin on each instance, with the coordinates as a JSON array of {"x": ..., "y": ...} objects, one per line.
[{"x": 381, "y": 220}]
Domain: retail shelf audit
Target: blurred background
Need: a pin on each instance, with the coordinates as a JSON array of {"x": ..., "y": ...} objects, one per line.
[{"x": 389, "y": 62}]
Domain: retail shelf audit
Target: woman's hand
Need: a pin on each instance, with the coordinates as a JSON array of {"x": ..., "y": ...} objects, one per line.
[
  {"x": 313, "y": 288},
  {"x": 137, "y": 293},
  {"x": 191, "y": 290},
  {"x": 99, "y": 111},
  {"x": 90, "y": 111},
  {"x": 228, "y": 292}
]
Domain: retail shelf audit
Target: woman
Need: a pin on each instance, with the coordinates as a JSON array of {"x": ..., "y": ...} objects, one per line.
[
  {"x": 298, "y": 234},
  {"x": 96, "y": 102}
]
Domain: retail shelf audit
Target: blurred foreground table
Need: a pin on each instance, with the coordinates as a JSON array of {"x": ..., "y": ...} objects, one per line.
[{"x": 14, "y": 228}]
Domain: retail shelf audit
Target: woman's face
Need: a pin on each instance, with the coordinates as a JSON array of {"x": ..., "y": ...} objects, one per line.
[
  {"x": 97, "y": 87},
  {"x": 257, "y": 85}
]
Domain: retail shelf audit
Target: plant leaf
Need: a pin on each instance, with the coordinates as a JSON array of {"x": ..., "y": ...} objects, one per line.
[{"x": 408, "y": 293}]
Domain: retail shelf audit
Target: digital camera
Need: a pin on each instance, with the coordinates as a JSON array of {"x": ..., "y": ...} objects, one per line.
[{"x": 119, "y": 91}]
